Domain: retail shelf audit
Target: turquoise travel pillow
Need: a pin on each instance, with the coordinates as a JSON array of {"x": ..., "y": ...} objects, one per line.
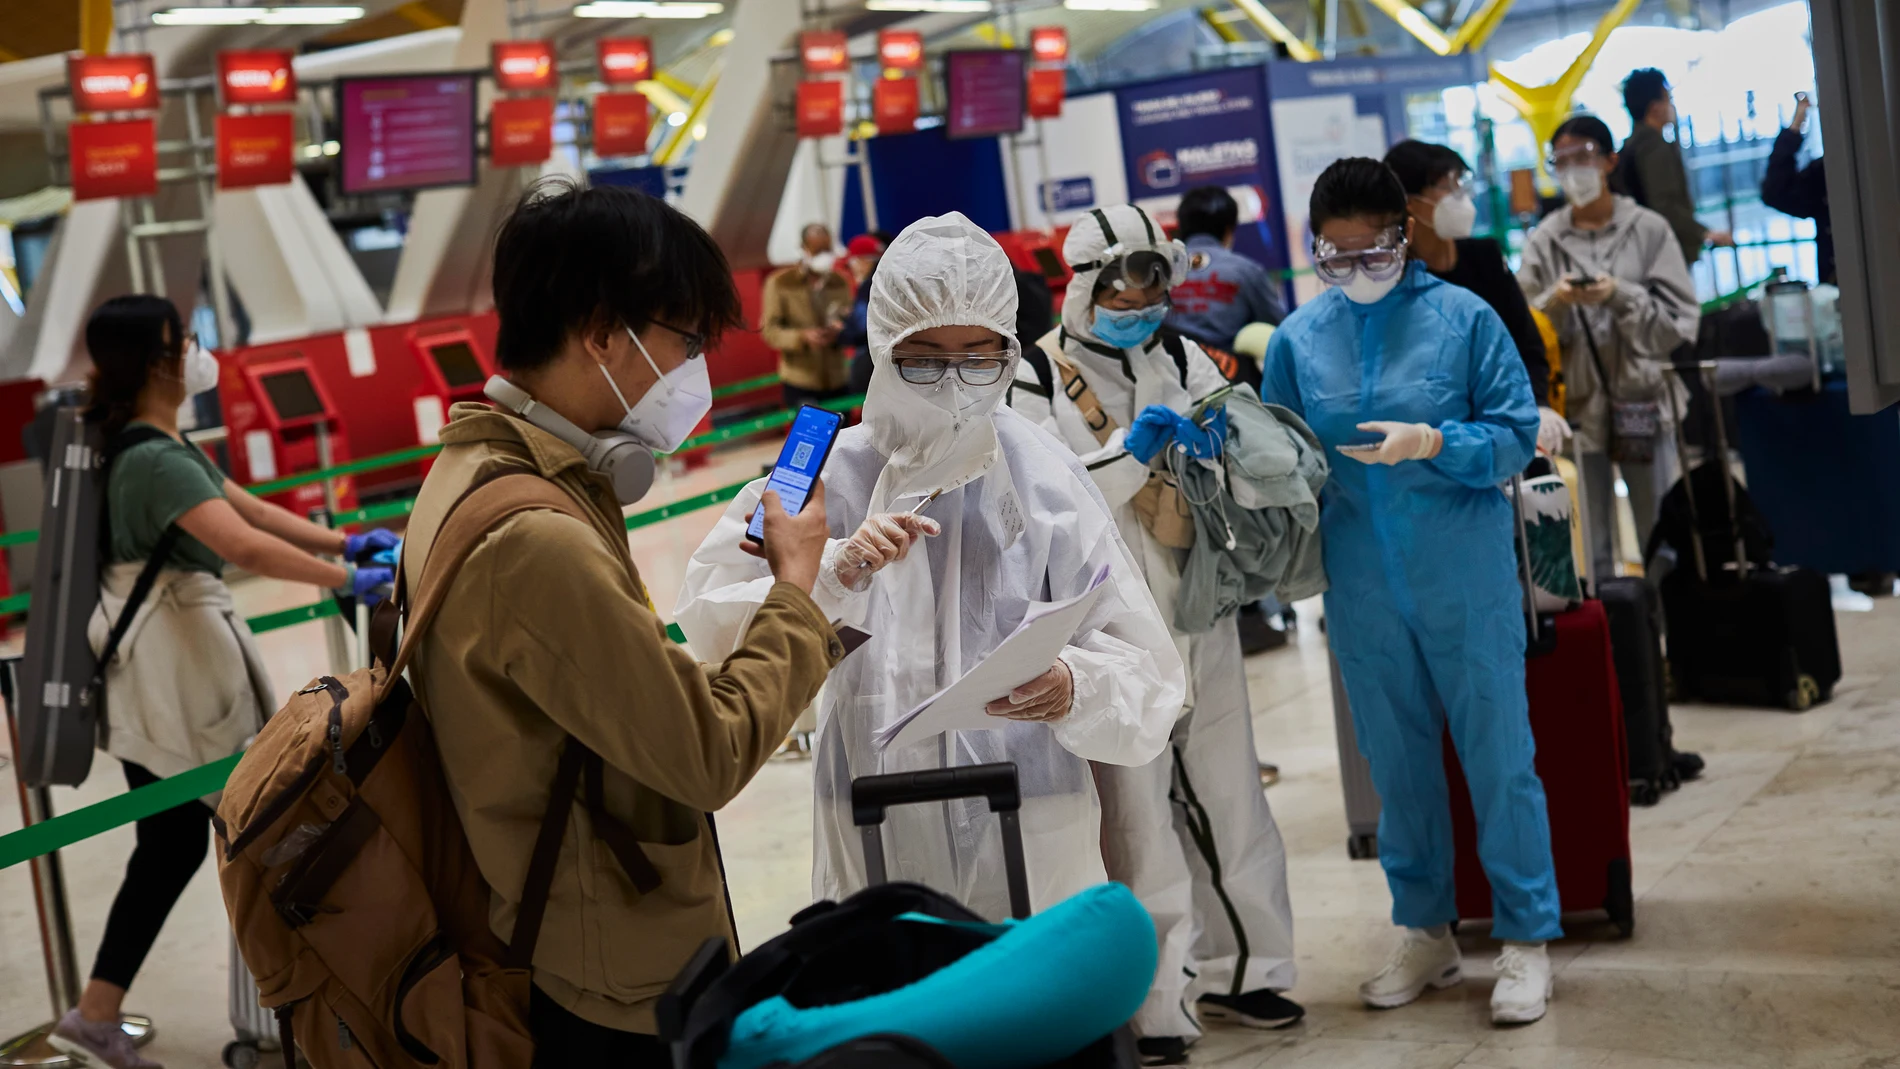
[{"x": 1039, "y": 991}]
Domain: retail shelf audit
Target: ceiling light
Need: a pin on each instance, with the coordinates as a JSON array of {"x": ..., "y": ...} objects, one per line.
[
  {"x": 1111, "y": 5},
  {"x": 326, "y": 15},
  {"x": 648, "y": 9},
  {"x": 939, "y": 7}
]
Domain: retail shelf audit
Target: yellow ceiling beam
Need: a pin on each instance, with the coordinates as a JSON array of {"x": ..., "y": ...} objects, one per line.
[
  {"x": 663, "y": 97},
  {"x": 1258, "y": 14},
  {"x": 1545, "y": 107},
  {"x": 7, "y": 55},
  {"x": 1479, "y": 25},
  {"x": 95, "y": 26},
  {"x": 1415, "y": 23},
  {"x": 1221, "y": 22},
  {"x": 680, "y": 136},
  {"x": 992, "y": 34},
  {"x": 679, "y": 86},
  {"x": 420, "y": 15}
]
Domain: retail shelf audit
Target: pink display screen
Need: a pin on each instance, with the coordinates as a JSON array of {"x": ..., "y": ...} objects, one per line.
[
  {"x": 408, "y": 132},
  {"x": 986, "y": 93}
]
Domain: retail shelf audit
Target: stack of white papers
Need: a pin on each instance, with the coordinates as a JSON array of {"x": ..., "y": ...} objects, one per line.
[{"x": 1028, "y": 652}]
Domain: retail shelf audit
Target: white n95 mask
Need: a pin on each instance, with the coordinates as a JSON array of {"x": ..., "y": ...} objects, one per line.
[
  {"x": 1360, "y": 289},
  {"x": 1455, "y": 217},
  {"x": 672, "y": 406},
  {"x": 201, "y": 370},
  {"x": 1582, "y": 185}
]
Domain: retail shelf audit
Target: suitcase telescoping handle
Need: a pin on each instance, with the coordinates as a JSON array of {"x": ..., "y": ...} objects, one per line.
[
  {"x": 1705, "y": 370},
  {"x": 1524, "y": 558},
  {"x": 872, "y": 795}
]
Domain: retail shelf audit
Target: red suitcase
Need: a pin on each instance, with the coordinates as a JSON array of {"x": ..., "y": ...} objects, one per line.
[{"x": 1582, "y": 757}]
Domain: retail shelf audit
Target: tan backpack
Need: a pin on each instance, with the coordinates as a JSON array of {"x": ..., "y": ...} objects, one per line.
[{"x": 351, "y": 887}]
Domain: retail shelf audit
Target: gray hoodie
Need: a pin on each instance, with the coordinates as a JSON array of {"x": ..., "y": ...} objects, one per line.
[{"x": 1652, "y": 312}]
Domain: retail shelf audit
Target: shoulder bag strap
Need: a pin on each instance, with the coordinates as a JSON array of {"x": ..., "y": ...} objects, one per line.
[
  {"x": 1076, "y": 388},
  {"x": 141, "y": 589}
]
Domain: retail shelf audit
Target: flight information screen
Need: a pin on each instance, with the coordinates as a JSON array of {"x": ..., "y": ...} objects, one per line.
[
  {"x": 409, "y": 132},
  {"x": 986, "y": 90}
]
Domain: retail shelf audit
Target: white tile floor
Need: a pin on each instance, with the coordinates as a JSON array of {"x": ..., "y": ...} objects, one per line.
[{"x": 1768, "y": 930}]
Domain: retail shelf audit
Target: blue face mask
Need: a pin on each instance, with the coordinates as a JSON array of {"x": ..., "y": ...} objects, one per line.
[{"x": 1125, "y": 330}]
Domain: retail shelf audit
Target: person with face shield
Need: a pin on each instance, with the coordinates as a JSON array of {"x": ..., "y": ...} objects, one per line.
[
  {"x": 1418, "y": 382},
  {"x": 547, "y": 649},
  {"x": 198, "y": 689},
  {"x": 1190, "y": 833},
  {"x": 951, "y": 517},
  {"x": 1438, "y": 198},
  {"x": 1610, "y": 275}
]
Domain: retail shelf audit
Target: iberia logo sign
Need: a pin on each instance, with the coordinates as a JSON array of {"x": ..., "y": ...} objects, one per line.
[
  {"x": 257, "y": 76},
  {"x": 625, "y": 60},
  {"x": 524, "y": 65},
  {"x": 113, "y": 83}
]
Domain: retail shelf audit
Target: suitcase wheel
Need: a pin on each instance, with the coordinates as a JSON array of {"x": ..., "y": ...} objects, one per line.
[
  {"x": 1362, "y": 847},
  {"x": 1645, "y": 793},
  {"x": 1620, "y": 902},
  {"x": 241, "y": 1054},
  {"x": 1805, "y": 693}
]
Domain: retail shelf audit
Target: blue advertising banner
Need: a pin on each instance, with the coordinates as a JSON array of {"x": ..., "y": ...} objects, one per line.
[{"x": 1200, "y": 130}]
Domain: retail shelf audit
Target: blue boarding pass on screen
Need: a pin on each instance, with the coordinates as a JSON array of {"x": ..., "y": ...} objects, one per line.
[{"x": 799, "y": 462}]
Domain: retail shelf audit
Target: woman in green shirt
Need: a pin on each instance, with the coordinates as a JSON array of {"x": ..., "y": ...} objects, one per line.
[{"x": 188, "y": 685}]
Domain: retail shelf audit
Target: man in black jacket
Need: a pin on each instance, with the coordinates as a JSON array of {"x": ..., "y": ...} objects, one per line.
[
  {"x": 1800, "y": 191},
  {"x": 1651, "y": 166},
  {"x": 1443, "y": 214}
]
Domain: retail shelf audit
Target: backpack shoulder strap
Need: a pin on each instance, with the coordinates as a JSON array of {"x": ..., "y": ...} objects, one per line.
[
  {"x": 1036, "y": 355},
  {"x": 481, "y": 509},
  {"x": 1176, "y": 348}
]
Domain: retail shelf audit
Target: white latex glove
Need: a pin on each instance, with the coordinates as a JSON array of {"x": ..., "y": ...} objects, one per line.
[
  {"x": 1403, "y": 442},
  {"x": 1044, "y": 698},
  {"x": 878, "y": 541},
  {"x": 1552, "y": 431}
]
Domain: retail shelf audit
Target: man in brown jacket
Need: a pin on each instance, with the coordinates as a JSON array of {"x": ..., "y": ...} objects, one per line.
[
  {"x": 549, "y": 633},
  {"x": 804, "y": 306}
]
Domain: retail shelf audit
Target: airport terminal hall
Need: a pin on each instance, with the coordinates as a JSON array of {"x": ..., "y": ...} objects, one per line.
[{"x": 949, "y": 534}]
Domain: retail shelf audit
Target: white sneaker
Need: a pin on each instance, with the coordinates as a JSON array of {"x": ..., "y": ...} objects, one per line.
[
  {"x": 1420, "y": 961},
  {"x": 1524, "y": 984}
]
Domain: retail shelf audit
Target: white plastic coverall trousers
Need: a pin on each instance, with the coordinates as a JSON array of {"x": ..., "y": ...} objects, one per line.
[
  {"x": 1191, "y": 833},
  {"x": 1021, "y": 522}
]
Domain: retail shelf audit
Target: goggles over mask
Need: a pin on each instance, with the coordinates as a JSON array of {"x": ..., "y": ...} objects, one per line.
[{"x": 1383, "y": 262}]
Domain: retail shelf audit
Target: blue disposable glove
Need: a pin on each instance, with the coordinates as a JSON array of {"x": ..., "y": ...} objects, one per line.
[
  {"x": 356, "y": 547},
  {"x": 1153, "y": 430},
  {"x": 370, "y": 584},
  {"x": 1203, "y": 441}
]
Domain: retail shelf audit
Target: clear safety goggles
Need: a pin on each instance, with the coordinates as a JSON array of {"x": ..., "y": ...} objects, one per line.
[
  {"x": 1383, "y": 261},
  {"x": 1587, "y": 154},
  {"x": 1141, "y": 262}
]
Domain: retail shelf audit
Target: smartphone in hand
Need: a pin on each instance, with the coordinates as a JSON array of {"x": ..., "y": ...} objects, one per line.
[{"x": 814, "y": 432}]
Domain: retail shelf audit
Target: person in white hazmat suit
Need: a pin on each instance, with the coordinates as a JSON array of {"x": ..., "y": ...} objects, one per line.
[
  {"x": 1190, "y": 833},
  {"x": 950, "y": 516}
]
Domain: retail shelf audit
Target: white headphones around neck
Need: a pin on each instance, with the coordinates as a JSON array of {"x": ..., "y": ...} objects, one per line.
[{"x": 616, "y": 454}]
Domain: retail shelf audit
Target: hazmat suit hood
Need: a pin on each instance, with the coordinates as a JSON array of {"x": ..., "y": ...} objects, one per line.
[
  {"x": 941, "y": 271},
  {"x": 1097, "y": 239}
]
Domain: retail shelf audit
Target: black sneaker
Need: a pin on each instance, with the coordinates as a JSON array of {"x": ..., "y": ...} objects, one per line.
[
  {"x": 1256, "y": 634},
  {"x": 1255, "y": 1009},
  {"x": 1162, "y": 1050}
]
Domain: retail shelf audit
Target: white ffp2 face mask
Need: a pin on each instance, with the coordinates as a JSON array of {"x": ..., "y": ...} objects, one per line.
[
  {"x": 671, "y": 407},
  {"x": 1362, "y": 290},
  {"x": 1455, "y": 217},
  {"x": 1582, "y": 185},
  {"x": 201, "y": 370}
]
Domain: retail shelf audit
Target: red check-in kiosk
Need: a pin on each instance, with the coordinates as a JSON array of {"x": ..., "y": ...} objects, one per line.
[
  {"x": 455, "y": 360},
  {"x": 1040, "y": 251},
  {"x": 281, "y": 421}
]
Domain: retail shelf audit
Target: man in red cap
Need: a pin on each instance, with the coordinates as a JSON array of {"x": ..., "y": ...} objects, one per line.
[{"x": 861, "y": 255}]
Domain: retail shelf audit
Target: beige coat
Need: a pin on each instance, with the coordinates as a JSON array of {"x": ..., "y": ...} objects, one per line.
[
  {"x": 791, "y": 305},
  {"x": 549, "y": 632},
  {"x": 188, "y": 686}
]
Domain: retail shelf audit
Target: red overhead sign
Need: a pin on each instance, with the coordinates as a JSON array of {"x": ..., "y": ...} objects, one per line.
[
  {"x": 521, "y": 131},
  {"x": 1046, "y": 89},
  {"x": 1049, "y": 44},
  {"x": 127, "y": 82},
  {"x": 254, "y": 150},
  {"x": 900, "y": 50},
  {"x": 524, "y": 65},
  {"x": 820, "y": 109},
  {"x": 620, "y": 124},
  {"x": 625, "y": 60},
  {"x": 114, "y": 159},
  {"x": 894, "y": 104},
  {"x": 257, "y": 76},
  {"x": 823, "y": 52}
]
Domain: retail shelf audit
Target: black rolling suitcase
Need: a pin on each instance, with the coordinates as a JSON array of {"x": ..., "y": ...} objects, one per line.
[
  {"x": 1742, "y": 632},
  {"x": 837, "y": 951}
]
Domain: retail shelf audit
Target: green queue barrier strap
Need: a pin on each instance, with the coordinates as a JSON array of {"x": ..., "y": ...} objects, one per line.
[
  {"x": 734, "y": 389},
  {"x": 99, "y": 817},
  {"x": 381, "y": 460}
]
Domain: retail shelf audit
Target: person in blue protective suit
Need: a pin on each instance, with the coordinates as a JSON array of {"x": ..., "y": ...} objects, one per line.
[{"x": 1419, "y": 382}]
